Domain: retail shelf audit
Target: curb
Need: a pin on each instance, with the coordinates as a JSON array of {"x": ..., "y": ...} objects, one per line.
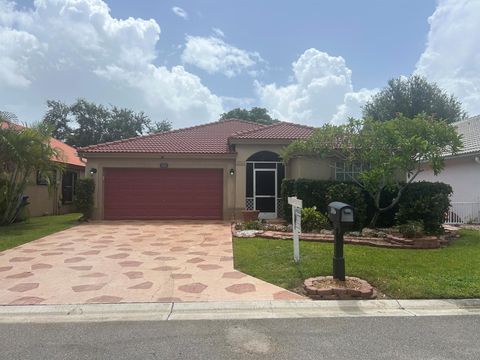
[{"x": 235, "y": 310}]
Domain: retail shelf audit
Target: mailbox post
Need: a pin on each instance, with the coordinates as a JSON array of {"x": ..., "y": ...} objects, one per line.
[{"x": 341, "y": 216}]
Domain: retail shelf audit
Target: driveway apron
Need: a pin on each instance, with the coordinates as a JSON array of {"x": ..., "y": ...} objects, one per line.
[{"x": 130, "y": 261}]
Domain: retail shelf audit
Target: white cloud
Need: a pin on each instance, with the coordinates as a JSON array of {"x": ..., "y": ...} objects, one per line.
[
  {"x": 180, "y": 12},
  {"x": 452, "y": 54},
  {"x": 218, "y": 32},
  {"x": 321, "y": 91},
  {"x": 64, "y": 49},
  {"x": 214, "y": 55}
]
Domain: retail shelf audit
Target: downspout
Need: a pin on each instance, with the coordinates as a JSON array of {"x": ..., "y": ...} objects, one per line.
[{"x": 477, "y": 159}]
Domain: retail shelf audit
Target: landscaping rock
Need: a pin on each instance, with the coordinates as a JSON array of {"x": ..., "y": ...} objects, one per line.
[
  {"x": 248, "y": 233},
  {"x": 374, "y": 233},
  {"x": 328, "y": 288}
]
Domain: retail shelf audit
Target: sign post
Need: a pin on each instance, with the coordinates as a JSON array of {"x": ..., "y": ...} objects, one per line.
[{"x": 296, "y": 225}]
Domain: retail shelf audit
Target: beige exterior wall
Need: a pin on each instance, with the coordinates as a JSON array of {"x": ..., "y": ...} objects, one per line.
[
  {"x": 152, "y": 162},
  {"x": 234, "y": 187},
  {"x": 311, "y": 168},
  {"x": 42, "y": 202}
]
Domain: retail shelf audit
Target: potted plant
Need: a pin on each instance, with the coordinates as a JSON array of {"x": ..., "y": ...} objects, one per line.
[{"x": 250, "y": 215}]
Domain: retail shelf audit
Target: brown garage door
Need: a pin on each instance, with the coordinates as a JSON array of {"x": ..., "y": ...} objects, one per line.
[{"x": 163, "y": 193}]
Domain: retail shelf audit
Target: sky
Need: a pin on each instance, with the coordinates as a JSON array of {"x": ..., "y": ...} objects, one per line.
[{"x": 311, "y": 62}]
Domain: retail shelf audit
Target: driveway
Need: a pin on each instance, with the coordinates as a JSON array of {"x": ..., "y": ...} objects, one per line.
[{"x": 130, "y": 261}]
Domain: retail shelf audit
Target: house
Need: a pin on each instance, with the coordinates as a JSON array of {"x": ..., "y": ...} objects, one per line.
[
  {"x": 462, "y": 172},
  {"x": 210, "y": 171},
  {"x": 59, "y": 199}
]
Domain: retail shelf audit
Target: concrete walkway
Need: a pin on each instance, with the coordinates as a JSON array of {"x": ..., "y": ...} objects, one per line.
[{"x": 130, "y": 261}]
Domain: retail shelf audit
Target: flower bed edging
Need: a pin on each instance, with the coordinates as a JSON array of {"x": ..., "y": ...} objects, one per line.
[{"x": 390, "y": 241}]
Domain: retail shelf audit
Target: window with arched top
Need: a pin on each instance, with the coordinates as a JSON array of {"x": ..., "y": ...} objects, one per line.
[{"x": 265, "y": 156}]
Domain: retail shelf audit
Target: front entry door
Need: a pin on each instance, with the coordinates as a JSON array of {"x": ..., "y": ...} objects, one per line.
[{"x": 265, "y": 192}]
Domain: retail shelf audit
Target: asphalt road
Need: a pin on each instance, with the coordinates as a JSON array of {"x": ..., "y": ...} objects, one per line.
[{"x": 446, "y": 337}]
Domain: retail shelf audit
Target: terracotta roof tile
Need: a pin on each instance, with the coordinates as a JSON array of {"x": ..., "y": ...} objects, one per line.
[
  {"x": 68, "y": 154},
  {"x": 209, "y": 138},
  {"x": 280, "y": 130}
]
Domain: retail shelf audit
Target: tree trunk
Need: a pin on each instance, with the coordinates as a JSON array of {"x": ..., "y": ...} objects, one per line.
[{"x": 373, "y": 222}]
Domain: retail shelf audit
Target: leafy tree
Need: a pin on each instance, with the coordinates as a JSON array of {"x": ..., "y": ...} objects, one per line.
[
  {"x": 159, "y": 127},
  {"x": 23, "y": 151},
  {"x": 58, "y": 117},
  {"x": 412, "y": 96},
  {"x": 85, "y": 123},
  {"x": 389, "y": 149},
  {"x": 256, "y": 114}
]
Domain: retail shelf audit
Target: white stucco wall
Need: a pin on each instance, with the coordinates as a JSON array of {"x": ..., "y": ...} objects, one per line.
[{"x": 463, "y": 174}]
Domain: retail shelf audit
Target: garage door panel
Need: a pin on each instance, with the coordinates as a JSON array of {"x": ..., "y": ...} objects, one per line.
[{"x": 163, "y": 193}]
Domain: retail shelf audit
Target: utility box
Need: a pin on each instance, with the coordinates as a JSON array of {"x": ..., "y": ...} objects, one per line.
[{"x": 340, "y": 214}]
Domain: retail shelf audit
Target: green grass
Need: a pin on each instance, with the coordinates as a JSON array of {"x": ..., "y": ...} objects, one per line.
[
  {"x": 34, "y": 228},
  {"x": 450, "y": 272}
]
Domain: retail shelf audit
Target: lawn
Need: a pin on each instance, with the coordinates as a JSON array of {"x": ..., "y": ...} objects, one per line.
[
  {"x": 34, "y": 228},
  {"x": 450, "y": 272}
]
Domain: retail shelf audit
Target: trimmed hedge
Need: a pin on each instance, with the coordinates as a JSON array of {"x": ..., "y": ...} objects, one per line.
[
  {"x": 84, "y": 197},
  {"x": 427, "y": 202},
  {"x": 421, "y": 201}
]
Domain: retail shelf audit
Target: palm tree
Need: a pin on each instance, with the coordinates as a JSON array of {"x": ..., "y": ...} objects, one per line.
[{"x": 23, "y": 151}]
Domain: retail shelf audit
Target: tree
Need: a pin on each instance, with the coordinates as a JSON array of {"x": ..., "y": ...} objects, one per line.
[
  {"x": 23, "y": 151},
  {"x": 85, "y": 123},
  {"x": 389, "y": 150},
  {"x": 160, "y": 127},
  {"x": 412, "y": 96},
  {"x": 256, "y": 114}
]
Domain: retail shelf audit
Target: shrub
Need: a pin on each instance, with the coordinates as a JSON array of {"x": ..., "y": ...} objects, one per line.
[
  {"x": 422, "y": 201},
  {"x": 252, "y": 225},
  {"x": 411, "y": 229},
  {"x": 313, "y": 220},
  {"x": 312, "y": 192},
  {"x": 351, "y": 194},
  {"x": 84, "y": 197},
  {"x": 425, "y": 201}
]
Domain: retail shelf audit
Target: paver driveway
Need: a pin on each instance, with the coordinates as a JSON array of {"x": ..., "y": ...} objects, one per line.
[{"x": 130, "y": 261}]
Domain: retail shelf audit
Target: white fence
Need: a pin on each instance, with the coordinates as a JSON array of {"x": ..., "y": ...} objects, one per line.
[{"x": 463, "y": 213}]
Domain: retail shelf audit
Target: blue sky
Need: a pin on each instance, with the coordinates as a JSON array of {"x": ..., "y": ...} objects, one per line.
[
  {"x": 188, "y": 61},
  {"x": 379, "y": 39}
]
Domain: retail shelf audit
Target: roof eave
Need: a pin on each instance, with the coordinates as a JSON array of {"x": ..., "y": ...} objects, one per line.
[{"x": 150, "y": 155}]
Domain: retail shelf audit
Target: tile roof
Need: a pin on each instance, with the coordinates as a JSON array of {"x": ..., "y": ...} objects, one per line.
[
  {"x": 68, "y": 154},
  {"x": 470, "y": 131},
  {"x": 280, "y": 130},
  {"x": 211, "y": 138}
]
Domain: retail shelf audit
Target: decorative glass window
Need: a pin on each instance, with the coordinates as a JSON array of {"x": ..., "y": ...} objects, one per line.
[
  {"x": 68, "y": 186},
  {"x": 347, "y": 171}
]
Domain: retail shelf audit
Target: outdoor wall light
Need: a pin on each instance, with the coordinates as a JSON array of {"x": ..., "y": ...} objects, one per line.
[
  {"x": 93, "y": 171},
  {"x": 232, "y": 172}
]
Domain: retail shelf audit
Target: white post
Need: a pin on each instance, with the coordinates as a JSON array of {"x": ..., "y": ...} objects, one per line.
[{"x": 296, "y": 225}]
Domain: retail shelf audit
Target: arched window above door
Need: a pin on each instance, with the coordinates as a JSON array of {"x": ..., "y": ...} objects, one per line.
[{"x": 265, "y": 156}]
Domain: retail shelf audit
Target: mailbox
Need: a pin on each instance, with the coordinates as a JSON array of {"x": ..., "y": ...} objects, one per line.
[
  {"x": 340, "y": 213},
  {"x": 341, "y": 216}
]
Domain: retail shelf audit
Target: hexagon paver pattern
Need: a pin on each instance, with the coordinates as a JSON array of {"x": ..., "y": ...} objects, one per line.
[{"x": 130, "y": 261}]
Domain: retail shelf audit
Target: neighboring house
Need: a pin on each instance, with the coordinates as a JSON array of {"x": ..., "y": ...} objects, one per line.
[
  {"x": 59, "y": 199},
  {"x": 462, "y": 172},
  {"x": 211, "y": 171}
]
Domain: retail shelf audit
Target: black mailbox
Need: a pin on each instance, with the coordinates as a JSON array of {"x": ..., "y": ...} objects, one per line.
[
  {"x": 340, "y": 213},
  {"x": 341, "y": 216}
]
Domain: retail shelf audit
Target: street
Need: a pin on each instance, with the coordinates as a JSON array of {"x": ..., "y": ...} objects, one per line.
[{"x": 441, "y": 337}]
